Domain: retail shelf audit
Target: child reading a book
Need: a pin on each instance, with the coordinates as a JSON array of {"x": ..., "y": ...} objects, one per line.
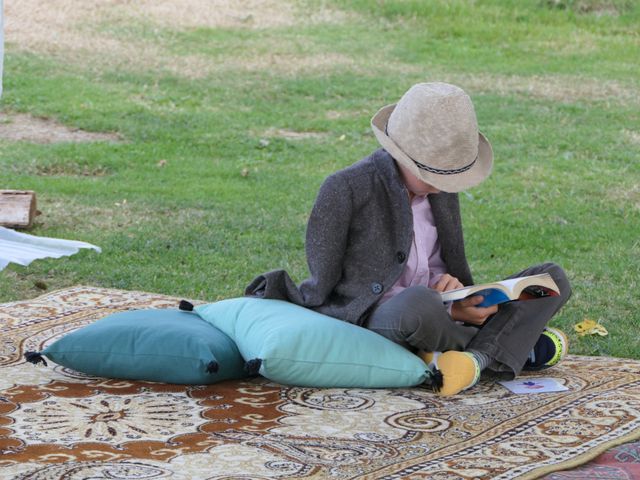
[{"x": 385, "y": 238}]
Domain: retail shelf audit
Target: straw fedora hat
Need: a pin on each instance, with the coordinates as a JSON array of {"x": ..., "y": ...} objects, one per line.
[{"x": 433, "y": 132}]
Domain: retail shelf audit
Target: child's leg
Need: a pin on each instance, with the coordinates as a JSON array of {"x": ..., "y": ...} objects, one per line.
[
  {"x": 509, "y": 335},
  {"x": 416, "y": 318}
]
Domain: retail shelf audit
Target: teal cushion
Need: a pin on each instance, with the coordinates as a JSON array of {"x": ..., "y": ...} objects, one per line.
[
  {"x": 297, "y": 346},
  {"x": 156, "y": 345}
]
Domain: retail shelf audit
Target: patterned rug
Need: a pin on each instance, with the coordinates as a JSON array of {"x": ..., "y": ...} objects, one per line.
[
  {"x": 56, "y": 423},
  {"x": 618, "y": 463}
]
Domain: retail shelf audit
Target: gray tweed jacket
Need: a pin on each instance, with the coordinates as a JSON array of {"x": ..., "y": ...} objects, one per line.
[{"x": 358, "y": 239}]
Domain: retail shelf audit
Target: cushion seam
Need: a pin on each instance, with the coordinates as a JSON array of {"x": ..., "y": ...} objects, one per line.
[
  {"x": 122, "y": 354},
  {"x": 337, "y": 363}
]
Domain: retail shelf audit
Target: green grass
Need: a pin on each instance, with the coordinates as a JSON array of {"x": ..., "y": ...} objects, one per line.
[{"x": 556, "y": 90}]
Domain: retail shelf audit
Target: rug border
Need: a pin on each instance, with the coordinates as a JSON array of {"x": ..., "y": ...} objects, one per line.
[
  {"x": 582, "y": 459},
  {"x": 72, "y": 287}
]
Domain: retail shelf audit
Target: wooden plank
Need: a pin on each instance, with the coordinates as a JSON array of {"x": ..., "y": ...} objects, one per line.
[{"x": 17, "y": 208}]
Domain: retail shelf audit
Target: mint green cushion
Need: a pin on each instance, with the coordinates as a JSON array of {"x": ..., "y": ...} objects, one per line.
[
  {"x": 297, "y": 346},
  {"x": 157, "y": 345}
]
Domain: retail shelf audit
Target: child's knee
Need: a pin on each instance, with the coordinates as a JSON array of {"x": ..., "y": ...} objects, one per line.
[
  {"x": 423, "y": 300},
  {"x": 425, "y": 310},
  {"x": 560, "y": 277}
]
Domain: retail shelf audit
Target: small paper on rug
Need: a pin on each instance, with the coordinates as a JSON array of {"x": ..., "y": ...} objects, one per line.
[{"x": 534, "y": 385}]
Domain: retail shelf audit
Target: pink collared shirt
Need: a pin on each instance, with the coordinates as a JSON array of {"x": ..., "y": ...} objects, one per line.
[{"x": 424, "y": 265}]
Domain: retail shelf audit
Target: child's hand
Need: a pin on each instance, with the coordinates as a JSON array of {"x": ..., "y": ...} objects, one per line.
[
  {"x": 467, "y": 312},
  {"x": 447, "y": 282}
]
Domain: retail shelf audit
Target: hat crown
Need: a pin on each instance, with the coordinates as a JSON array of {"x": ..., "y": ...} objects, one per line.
[{"x": 435, "y": 124}]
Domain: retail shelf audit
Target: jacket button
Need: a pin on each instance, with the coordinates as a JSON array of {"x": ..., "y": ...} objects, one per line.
[
  {"x": 376, "y": 288},
  {"x": 401, "y": 257}
]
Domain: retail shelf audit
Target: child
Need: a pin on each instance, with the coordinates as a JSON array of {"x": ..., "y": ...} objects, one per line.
[{"x": 385, "y": 237}]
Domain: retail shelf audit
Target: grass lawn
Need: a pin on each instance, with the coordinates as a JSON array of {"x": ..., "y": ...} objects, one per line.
[{"x": 228, "y": 119}]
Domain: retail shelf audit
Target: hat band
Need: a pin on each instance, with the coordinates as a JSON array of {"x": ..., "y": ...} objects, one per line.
[{"x": 438, "y": 171}]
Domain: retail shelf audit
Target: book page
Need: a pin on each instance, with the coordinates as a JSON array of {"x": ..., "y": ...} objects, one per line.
[
  {"x": 511, "y": 283},
  {"x": 511, "y": 287}
]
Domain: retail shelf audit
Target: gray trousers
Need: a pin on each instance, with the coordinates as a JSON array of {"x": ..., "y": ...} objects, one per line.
[{"x": 416, "y": 318}]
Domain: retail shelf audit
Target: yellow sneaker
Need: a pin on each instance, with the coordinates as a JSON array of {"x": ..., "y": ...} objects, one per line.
[{"x": 453, "y": 371}]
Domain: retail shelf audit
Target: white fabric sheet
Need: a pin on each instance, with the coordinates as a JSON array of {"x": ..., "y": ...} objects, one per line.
[
  {"x": 21, "y": 248},
  {"x": 1, "y": 42}
]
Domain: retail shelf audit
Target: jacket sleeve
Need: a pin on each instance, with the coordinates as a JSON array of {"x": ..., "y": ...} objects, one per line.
[
  {"x": 327, "y": 239},
  {"x": 326, "y": 244},
  {"x": 276, "y": 285}
]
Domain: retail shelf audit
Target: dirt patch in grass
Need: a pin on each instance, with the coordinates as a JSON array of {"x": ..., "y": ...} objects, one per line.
[
  {"x": 349, "y": 114},
  {"x": 71, "y": 214},
  {"x": 63, "y": 24},
  {"x": 293, "y": 63},
  {"x": 627, "y": 197},
  {"x": 632, "y": 136},
  {"x": 595, "y": 7},
  {"x": 102, "y": 32},
  {"x": 69, "y": 31},
  {"x": 253, "y": 14},
  {"x": 25, "y": 128},
  {"x": 75, "y": 31},
  {"x": 62, "y": 168},
  {"x": 566, "y": 89},
  {"x": 282, "y": 63},
  {"x": 291, "y": 134},
  {"x": 74, "y": 215}
]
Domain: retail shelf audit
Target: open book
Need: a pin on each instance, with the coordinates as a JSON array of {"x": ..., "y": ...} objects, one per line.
[{"x": 521, "y": 288}]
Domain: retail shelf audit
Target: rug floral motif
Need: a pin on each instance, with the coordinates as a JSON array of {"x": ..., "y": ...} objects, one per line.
[{"x": 56, "y": 423}]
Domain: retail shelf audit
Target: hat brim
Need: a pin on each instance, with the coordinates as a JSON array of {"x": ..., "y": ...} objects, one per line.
[{"x": 446, "y": 183}]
